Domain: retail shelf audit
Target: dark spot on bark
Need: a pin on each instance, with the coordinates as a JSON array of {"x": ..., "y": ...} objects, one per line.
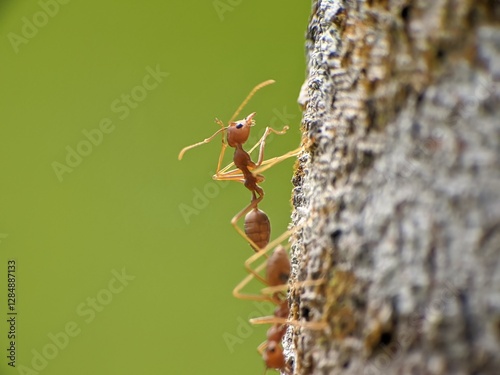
[
  {"x": 335, "y": 235},
  {"x": 420, "y": 99},
  {"x": 367, "y": 159},
  {"x": 315, "y": 275},
  {"x": 473, "y": 17},
  {"x": 386, "y": 338},
  {"x": 440, "y": 53},
  {"x": 291, "y": 362},
  {"x": 315, "y": 84},
  {"x": 363, "y": 256},
  {"x": 313, "y": 32},
  {"x": 467, "y": 316},
  {"x": 333, "y": 55},
  {"x": 358, "y": 303},
  {"x": 346, "y": 364},
  {"x": 372, "y": 112},
  {"x": 415, "y": 129},
  {"x": 342, "y": 205},
  {"x": 405, "y": 13},
  {"x": 305, "y": 312},
  {"x": 347, "y": 58},
  {"x": 345, "y": 325}
]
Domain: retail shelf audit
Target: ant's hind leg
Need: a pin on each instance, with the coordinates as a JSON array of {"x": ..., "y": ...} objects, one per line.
[
  {"x": 254, "y": 274},
  {"x": 263, "y": 252}
]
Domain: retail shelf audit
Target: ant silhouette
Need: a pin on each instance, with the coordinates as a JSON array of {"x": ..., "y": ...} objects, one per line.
[
  {"x": 277, "y": 274},
  {"x": 246, "y": 171}
]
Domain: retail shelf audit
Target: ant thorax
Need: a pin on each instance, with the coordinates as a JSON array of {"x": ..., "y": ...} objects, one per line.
[{"x": 242, "y": 159}]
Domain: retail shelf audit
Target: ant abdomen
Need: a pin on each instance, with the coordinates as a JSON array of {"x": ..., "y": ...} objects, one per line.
[{"x": 258, "y": 228}]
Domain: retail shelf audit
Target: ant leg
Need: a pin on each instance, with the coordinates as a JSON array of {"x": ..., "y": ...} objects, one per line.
[
  {"x": 233, "y": 175},
  {"x": 264, "y": 136},
  {"x": 252, "y": 297},
  {"x": 263, "y": 141},
  {"x": 266, "y": 164},
  {"x": 254, "y": 273},
  {"x": 263, "y": 252},
  {"x": 249, "y": 96},
  {"x": 262, "y": 347},
  {"x": 263, "y": 166},
  {"x": 224, "y": 146},
  {"x": 226, "y": 174},
  {"x": 281, "y": 288},
  {"x": 206, "y": 140},
  {"x": 319, "y": 326}
]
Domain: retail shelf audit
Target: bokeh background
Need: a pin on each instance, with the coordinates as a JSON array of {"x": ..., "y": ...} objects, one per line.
[{"x": 126, "y": 204}]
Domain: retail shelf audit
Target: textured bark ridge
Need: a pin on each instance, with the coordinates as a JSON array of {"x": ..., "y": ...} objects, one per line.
[{"x": 398, "y": 191}]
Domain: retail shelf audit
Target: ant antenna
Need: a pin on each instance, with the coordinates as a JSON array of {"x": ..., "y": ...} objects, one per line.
[{"x": 252, "y": 93}]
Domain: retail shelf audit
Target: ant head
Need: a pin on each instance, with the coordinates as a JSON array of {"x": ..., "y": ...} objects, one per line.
[
  {"x": 278, "y": 267},
  {"x": 273, "y": 356},
  {"x": 239, "y": 131}
]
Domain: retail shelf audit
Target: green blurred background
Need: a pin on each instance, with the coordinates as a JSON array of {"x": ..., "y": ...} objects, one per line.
[{"x": 120, "y": 206}]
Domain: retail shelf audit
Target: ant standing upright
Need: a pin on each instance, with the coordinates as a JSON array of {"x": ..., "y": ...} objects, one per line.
[{"x": 257, "y": 226}]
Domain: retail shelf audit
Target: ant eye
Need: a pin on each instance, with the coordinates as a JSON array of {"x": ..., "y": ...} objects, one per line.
[{"x": 239, "y": 126}]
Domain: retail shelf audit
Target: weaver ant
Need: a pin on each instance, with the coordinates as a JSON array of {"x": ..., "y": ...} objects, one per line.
[
  {"x": 246, "y": 171},
  {"x": 278, "y": 269}
]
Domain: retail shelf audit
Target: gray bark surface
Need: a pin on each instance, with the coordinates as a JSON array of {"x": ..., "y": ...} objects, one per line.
[{"x": 398, "y": 190}]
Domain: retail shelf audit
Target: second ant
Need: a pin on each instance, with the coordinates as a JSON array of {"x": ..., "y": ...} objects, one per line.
[{"x": 277, "y": 273}]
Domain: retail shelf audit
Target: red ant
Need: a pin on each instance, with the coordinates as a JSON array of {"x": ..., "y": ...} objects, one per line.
[
  {"x": 278, "y": 269},
  {"x": 257, "y": 226}
]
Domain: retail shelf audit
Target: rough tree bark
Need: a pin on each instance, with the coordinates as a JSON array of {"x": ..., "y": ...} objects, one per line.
[{"x": 398, "y": 190}]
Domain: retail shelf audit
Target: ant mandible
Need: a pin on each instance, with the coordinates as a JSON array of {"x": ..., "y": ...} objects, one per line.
[{"x": 246, "y": 171}]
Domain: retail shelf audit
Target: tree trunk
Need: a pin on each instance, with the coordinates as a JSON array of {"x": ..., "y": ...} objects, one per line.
[{"x": 397, "y": 195}]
